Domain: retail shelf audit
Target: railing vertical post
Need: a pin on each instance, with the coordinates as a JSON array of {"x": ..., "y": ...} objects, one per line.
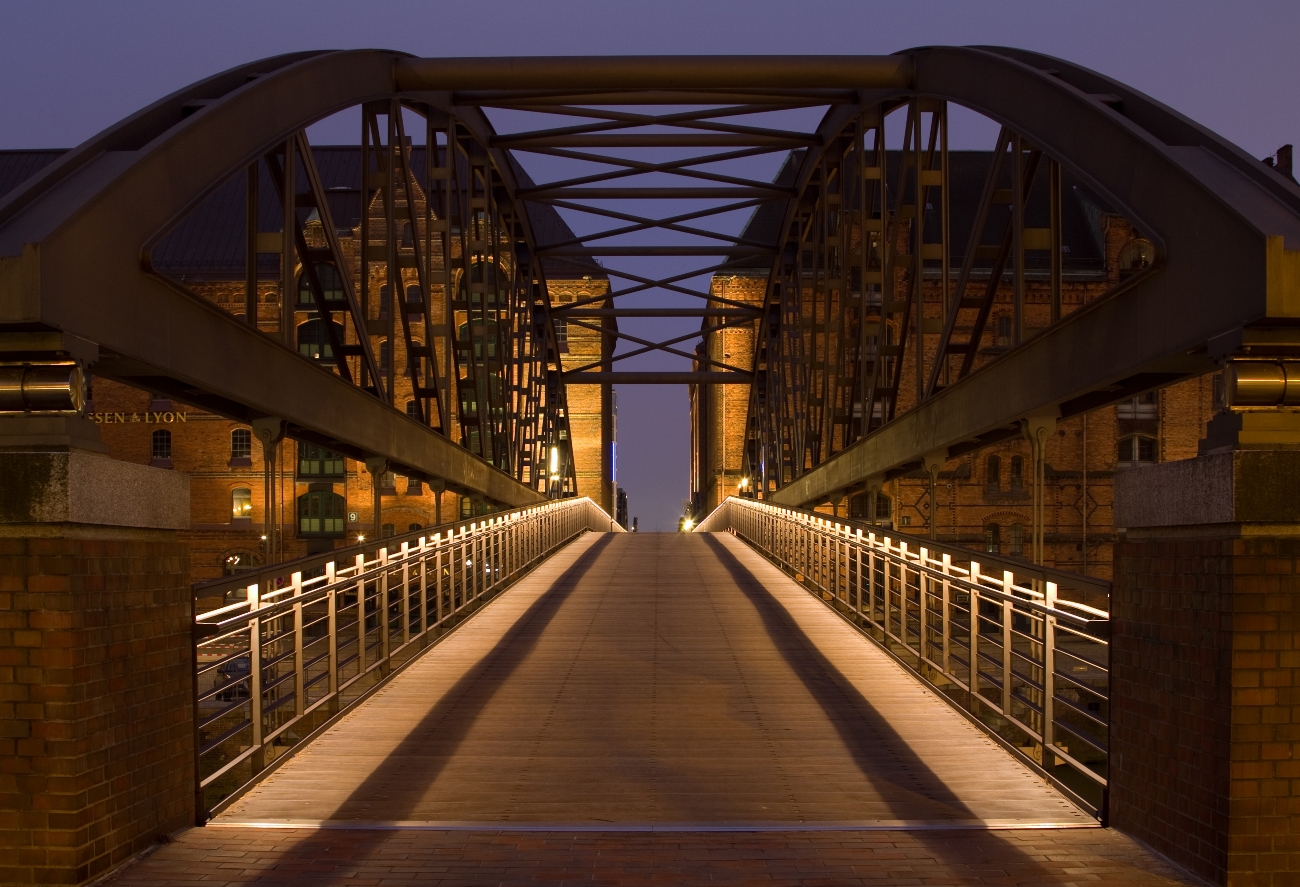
[
  {"x": 406, "y": 594},
  {"x": 973, "y": 617},
  {"x": 438, "y": 557},
  {"x": 384, "y": 617},
  {"x": 424, "y": 585},
  {"x": 299, "y": 681},
  {"x": 332, "y": 610},
  {"x": 258, "y": 760},
  {"x": 857, "y": 556},
  {"x": 945, "y": 635},
  {"x": 361, "y": 614},
  {"x": 922, "y": 586},
  {"x": 902, "y": 593},
  {"x": 1049, "y": 674},
  {"x": 1008, "y": 582}
]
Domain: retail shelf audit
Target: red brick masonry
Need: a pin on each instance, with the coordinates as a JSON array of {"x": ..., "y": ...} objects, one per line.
[
  {"x": 477, "y": 859},
  {"x": 1205, "y": 727},
  {"x": 96, "y": 732}
]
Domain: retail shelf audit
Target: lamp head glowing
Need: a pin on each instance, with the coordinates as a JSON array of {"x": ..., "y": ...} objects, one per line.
[{"x": 555, "y": 460}]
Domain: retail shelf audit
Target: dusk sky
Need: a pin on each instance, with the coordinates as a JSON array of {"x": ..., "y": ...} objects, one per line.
[{"x": 70, "y": 69}]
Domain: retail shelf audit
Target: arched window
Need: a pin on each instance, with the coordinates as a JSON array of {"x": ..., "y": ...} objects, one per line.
[
  {"x": 241, "y": 503},
  {"x": 161, "y": 444},
  {"x": 414, "y": 300},
  {"x": 383, "y": 356},
  {"x": 413, "y": 527},
  {"x": 321, "y": 515},
  {"x": 1136, "y": 256},
  {"x": 241, "y": 444},
  {"x": 331, "y": 286},
  {"x": 1135, "y": 450},
  {"x": 993, "y": 470},
  {"x": 1003, "y": 339},
  {"x": 1017, "y": 474},
  {"x": 408, "y": 240},
  {"x": 383, "y": 301},
  {"x": 993, "y": 539},
  {"x": 313, "y": 343},
  {"x": 884, "y": 507},
  {"x": 1017, "y": 539}
]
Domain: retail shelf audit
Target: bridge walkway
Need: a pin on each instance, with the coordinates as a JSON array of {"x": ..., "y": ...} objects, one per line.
[
  {"x": 655, "y": 679},
  {"x": 653, "y": 709}
]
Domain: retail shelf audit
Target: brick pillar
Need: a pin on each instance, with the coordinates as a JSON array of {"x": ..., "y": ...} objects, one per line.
[
  {"x": 1205, "y": 711},
  {"x": 96, "y": 693}
]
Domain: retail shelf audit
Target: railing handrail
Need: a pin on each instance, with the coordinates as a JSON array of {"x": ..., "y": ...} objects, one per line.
[
  {"x": 294, "y": 655},
  {"x": 1016, "y": 565},
  {"x": 1028, "y": 665},
  {"x": 245, "y": 578}
]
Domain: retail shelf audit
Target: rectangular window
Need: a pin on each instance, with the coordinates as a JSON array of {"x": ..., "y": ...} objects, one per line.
[
  {"x": 241, "y": 444},
  {"x": 162, "y": 444},
  {"x": 316, "y": 462}
]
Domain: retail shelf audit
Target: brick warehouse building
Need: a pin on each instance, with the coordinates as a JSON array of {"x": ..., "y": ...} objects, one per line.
[
  {"x": 984, "y": 498},
  {"x": 326, "y": 500}
]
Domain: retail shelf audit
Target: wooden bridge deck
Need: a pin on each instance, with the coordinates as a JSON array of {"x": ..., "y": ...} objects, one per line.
[{"x": 655, "y": 681}]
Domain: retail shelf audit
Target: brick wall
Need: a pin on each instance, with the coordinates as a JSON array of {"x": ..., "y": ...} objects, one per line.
[
  {"x": 1205, "y": 736},
  {"x": 96, "y": 706}
]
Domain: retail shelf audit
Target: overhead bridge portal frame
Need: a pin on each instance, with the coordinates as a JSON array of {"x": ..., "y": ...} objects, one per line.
[{"x": 75, "y": 241}]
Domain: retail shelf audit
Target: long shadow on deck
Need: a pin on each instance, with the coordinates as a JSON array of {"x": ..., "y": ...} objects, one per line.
[{"x": 332, "y": 855}]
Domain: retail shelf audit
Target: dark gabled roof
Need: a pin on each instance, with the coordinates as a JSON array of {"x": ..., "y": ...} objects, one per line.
[
  {"x": 1081, "y": 211},
  {"x": 210, "y": 241}
]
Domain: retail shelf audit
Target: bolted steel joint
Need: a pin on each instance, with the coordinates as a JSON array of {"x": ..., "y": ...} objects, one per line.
[{"x": 53, "y": 387}]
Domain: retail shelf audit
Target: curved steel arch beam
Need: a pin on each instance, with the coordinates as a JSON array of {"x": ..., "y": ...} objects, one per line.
[
  {"x": 1229, "y": 239},
  {"x": 72, "y": 259}
]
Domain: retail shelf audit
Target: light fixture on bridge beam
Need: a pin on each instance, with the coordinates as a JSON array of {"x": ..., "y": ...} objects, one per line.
[
  {"x": 53, "y": 387},
  {"x": 1263, "y": 383}
]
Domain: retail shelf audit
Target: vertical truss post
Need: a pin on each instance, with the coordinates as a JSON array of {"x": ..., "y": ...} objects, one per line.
[
  {"x": 288, "y": 200},
  {"x": 250, "y": 247}
]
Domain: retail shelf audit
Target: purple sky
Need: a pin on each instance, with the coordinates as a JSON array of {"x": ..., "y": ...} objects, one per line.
[{"x": 70, "y": 69}]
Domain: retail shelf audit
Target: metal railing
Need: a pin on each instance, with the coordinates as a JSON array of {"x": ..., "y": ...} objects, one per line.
[
  {"x": 1035, "y": 672},
  {"x": 298, "y": 643}
]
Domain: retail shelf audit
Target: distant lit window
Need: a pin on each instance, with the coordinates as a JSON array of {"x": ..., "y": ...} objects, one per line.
[
  {"x": 314, "y": 343},
  {"x": 1017, "y": 474},
  {"x": 319, "y": 463},
  {"x": 1003, "y": 331},
  {"x": 321, "y": 514},
  {"x": 241, "y": 503},
  {"x": 241, "y": 444},
  {"x": 414, "y": 487},
  {"x": 1017, "y": 539},
  {"x": 1135, "y": 450},
  {"x": 993, "y": 539},
  {"x": 330, "y": 282},
  {"x": 1141, "y": 407},
  {"x": 162, "y": 444}
]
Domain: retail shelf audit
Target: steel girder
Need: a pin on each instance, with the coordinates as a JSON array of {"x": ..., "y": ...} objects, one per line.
[
  {"x": 75, "y": 241},
  {"x": 75, "y": 245},
  {"x": 1225, "y": 228}
]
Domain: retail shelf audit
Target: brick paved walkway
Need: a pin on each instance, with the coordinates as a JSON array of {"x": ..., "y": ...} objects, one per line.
[{"x": 292, "y": 857}]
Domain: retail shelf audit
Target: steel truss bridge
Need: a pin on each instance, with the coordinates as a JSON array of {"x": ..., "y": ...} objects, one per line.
[
  {"x": 850, "y": 382},
  {"x": 826, "y": 179}
]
